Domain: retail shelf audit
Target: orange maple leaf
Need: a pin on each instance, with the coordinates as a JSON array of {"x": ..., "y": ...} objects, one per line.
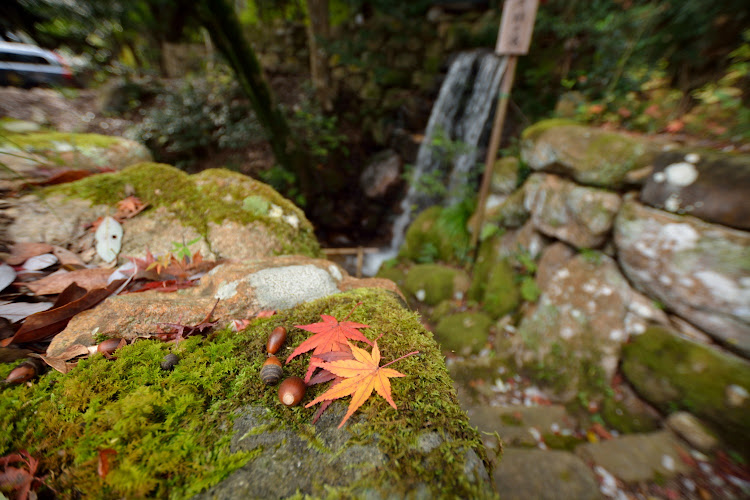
[
  {"x": 359, "y": 377},
  {"x": 330, "y": 335}
]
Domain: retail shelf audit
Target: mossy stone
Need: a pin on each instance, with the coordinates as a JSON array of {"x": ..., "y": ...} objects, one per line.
[
  {"x": 433, "y": 283},
  {"x": 675, "y": 373},
  {"x": 619, "y": 417},
  {"x": 430, "y": 239},
  {"x": 395, "y": 274},
  {"x": 212, "y": 196},
  {"x": 464, "y": 332},
  {"x": 501, "y": 292},
  {"x": 171, "y": 429}
]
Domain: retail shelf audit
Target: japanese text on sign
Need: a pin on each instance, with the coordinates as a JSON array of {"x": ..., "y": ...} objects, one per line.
[{"x": 516, "y": 27}]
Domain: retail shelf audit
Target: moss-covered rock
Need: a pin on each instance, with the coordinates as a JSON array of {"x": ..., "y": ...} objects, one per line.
[
  {"x": 435, "y": 236},
  {"x": 38, "y": 155},
  {"x": 433, "y": 283},
  {"x": 464, "y": 332},
  {"x": 170, "y": 429},
  {"x": 498, "y": 290},
  {"x": 674, "y": 373},
  {"x": 234, "y": 215},
  {"x": 589, "y": 155}
]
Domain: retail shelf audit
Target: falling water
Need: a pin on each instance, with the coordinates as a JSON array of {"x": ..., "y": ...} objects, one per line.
[{"x": 461, "y": 115}]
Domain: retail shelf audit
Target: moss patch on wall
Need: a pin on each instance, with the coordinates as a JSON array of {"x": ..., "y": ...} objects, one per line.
[
  {"x": 501, "y": 293},
  {"x": 436, "y": 235},
  {"x": 433, "y": 283},
  {"x": 170, "y": 429},
  {"x": 43, "y": 141}
]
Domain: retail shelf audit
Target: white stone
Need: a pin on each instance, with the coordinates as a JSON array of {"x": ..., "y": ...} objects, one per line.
[
  {"x": 227, "y": 290},
  {"x": 420, "y": 295},
  {"x": 681, "y": 174},
  {"x": 659, "y": 177},
  {"x": 692, "y": 157},
  {"x": 334, "y": 271}
]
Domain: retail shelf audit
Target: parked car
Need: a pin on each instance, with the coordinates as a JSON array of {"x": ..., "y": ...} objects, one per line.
[{"x": 24, "y": 65}]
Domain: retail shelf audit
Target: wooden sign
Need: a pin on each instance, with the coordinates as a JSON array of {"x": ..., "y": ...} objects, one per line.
[{"x": 516, "y": 27}]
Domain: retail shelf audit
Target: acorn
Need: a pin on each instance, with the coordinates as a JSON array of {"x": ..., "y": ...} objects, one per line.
[
  {"x": 109, "y": 346},
  {"x": 271, "y": 371},
  {"x": 291, "y": 391},
  {"x": 169, "y": 361},
  {"x": 25, "y": 371},
  {"x": 276, "y": 339}
]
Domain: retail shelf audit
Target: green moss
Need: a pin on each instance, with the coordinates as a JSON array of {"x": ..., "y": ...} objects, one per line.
[
  {"x": 462, "y": 332},
  {"x": 437, "y": 234},
  {"x": 395, "y": 274},
  {"x": 561, "y": 442},
  {"x": 501, "y": 293},
  {"x": 46, "y": 140},
  {"x": 674, "y": 373},
  {"x": 214, "y": 195},
  {"x": 170, "y": 428},
  {"x": 533, "y": 132},
  {"x": 619, "y": 417},
  {"x": 436, "y": 281},
  {"x": 441, "y": 310}
]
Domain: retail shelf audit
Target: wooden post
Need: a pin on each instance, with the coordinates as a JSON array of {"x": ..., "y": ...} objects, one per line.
[{"x": 513, "y": 40}]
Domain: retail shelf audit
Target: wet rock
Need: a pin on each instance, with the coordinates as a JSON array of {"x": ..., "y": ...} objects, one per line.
[
  {"x": 587, "y": 310},
  {"x": 698, "y": 270},
  {"x": 709, "y": 185},
  {"x": 589, "y": 155},
  {"x": 578, "y": 215},
  {"x": 672, "y": 372},
  {"x": 637, "y": 457},
  {"x": 545, "y": 475},
  {"x": 381, "y": 174}
]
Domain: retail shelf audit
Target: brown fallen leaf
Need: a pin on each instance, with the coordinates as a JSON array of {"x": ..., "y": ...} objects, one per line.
[
  {"x": 24, "y": 251},
  {"x": 62, "y": 362},
  {"x": 68, "y": 259},
  {"x": 64, "y": 177},
  {"x": 53, "y": 284},
  {"x": 45, "y": 324}
]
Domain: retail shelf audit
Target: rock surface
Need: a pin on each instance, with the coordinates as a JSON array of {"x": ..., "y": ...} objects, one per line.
[
  {"x": 581, "y": 216},
  {"x": 544, "y": 475},
  {"x": 591, "y": 156},
  {"x": 699, "y": 270},
  {"x": 670, "y": 371},
  {"x": 381, "y": 174},
  {"x": 273, "y": 283},
  {"x": 37, "y": 156},
  {"x": 709, "y": 185},
  {"x": 232, "y": 216},
  {"x": 586, "y": 312}
]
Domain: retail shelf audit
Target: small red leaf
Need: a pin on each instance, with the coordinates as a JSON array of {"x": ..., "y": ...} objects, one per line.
[{"x": 102, "y": 467}]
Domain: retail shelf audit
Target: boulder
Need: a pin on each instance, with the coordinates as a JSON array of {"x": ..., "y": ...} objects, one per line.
[
  {"x": 573, "y": 337},
  {"x": 232, "y": 215},
  {"x": 433, "y": 283},
  {"x": 700, "y": 271},
  {"x": 589, "y": 155},
  {"x": 211, "y": 427},
  {"x": 463, "y": 333},
  {"x": 497, "y": 289},
  {"x": 581, "y": 216},
  {"x": 242, "y": 289},
  {"x": 38, "y": 156},
  {"x": 672, "y": 372},
  {"x": 432, "y": 237},
  {"x": 712, "y": 186},
  {"x": 381, "y": 174}
]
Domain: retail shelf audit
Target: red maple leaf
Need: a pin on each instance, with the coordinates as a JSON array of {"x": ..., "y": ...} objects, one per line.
[{"x": 330, "y": 335}]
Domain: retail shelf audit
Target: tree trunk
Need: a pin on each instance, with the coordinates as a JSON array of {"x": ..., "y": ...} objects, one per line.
[
  {"x": 318, "y": 29},
  {"x": 219, "y": 18}
]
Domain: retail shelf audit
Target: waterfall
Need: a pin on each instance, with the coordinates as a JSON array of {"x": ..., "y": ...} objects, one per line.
[{"x": 461, "y": 116}]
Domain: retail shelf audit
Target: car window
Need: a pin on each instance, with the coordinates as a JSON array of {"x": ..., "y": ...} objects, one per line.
[{"x": 22, "y": 58}]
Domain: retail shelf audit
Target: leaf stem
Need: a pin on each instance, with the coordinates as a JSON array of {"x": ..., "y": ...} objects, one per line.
[
  {"x": 350, "y": 312},
  {"x": 402, "y": 357}
]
